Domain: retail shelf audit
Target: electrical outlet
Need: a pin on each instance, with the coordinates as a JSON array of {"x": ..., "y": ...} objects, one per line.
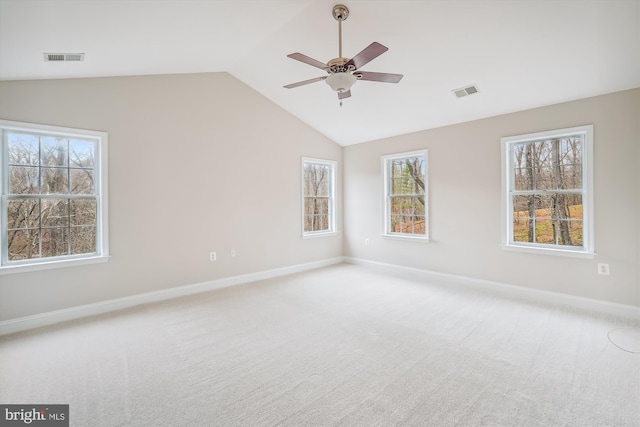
[
  {"x": 233, "y": 253},
  {"x": 603, "y": 269},
  {"x": 212, "y": 256},
  {"x": 367, "y": 241}
]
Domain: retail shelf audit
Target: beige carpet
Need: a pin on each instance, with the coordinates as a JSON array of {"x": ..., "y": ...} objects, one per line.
[{"x": 339, "y": 346}]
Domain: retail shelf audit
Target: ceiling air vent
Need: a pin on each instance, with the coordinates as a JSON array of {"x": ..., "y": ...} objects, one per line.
[
  {"x": 465, "y": 91},
  {"x": 63, "y": 57}
]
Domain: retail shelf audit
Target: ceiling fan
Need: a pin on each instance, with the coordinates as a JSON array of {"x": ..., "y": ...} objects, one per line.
[{"x": 344, "y": 72}]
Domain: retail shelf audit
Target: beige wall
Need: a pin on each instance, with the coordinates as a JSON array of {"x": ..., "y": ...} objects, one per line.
[
  {"x": 464, "y": 188},
  {"x": 201, "y": 163},
  {"x": 197, "y": 163}
]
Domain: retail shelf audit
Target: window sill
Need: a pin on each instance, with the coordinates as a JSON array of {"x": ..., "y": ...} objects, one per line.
[
  {"x": 549, "y": 251},
  {"x": 26, "y": 268},
  {"x": 406, "y": 238},
  {"x": 321, "y": 234}
]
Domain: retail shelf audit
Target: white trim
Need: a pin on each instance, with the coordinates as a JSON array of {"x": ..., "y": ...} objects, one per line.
[
  {"x": 53, "y": 317},
  {"x": 101, "y": 189},
  {"x": 26, "y": 268},
  {"x": 333, "y": 165},
  {"x": 385, "y": 196},
  {"x": 588, "y": 248},
  {"x": 317, "y": 234},
  {"x": 535, "y": 295},
  {"x": 548, "y": 251},
  {"x": 406, "y": 238}
]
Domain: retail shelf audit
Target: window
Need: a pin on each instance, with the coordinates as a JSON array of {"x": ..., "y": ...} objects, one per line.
[
  {"x": 318, "y": 188},
  {"x": 54, "y": 207},
  {"x": 547, "y": 191},
  {"x": 405, "y": 194}
]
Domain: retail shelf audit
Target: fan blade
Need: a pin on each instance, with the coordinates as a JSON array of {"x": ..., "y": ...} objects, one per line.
[
  {"x": 305, "y": 82},
  {"x": 345, "y": 94},
  {"x": 368, "y": 54},
  {"x": 378, "y": 77},
  {"x": 304, "y": 58}
]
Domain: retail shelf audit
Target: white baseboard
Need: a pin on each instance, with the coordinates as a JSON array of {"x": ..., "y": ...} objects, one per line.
[
  {"x": 622, "y": 310},
  {"x": 58, "y": 316}
]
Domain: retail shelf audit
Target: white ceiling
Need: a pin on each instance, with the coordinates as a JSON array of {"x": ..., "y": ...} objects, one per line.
[{"x": 521, "y": 54}]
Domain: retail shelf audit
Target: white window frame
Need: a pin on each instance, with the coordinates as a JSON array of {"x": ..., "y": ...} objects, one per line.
[
  {"x": 332, "y": 164},
  {"x": 100, "y": 188},
  {"x": 587, "y": 248},
  {"x": 387, "y": 233}
]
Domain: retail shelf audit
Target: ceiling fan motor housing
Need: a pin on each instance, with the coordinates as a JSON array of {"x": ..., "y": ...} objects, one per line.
[{"x": 337, "y": 65}]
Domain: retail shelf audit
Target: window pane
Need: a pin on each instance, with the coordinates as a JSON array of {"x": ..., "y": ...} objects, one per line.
[
  {"x": 544, "y": 231},
  {"x": 576, "y": 232},
  {"x": 544, "y": 206},
  {"x": 23, "y": 213},
  {"x": 395, "y": 224},
  {"x": 54, "y": 151},
  {"x": 395, "y": 205},
  {"x": 83, "y": 211},
  {"x": 316, "y": 222},
  {"x": 83, "y": 240},
  {"x": 55, "y": 181},
  {"x": 23, "y": 180},
  {"x": 316, "y": 214},
  {"x": 419, "y": 205},
  {"x": 407, "y": 224},
  {"x": 523, "y": 216},
  {"x": 81, "y": 154},
  {"x": 522, "y": 229},
  {"x": 23, "y": 244},
  {"x": 523, "y": 179},
  {"x": 321, "y": 223},
  {"x": 574, "y": 205},
  {"x": 317, "y": 180},
  {"x": 55, "y": 212},
  {"x": 307, "y": 187},
  {"x": 23, "y": 149},
  {"x": 571, "y": 177},
  {"x": 55, "y": 242},
  {"x": 396, "y": 186},
  {"x": 322, "y": 206},
  {"x": 523, "y": 206},
  {"x": 407, "y": 205},
  {"x": 323, "y": 188},
  {"x": 545, "y": 178},
  {"x": 396, "y": 169},
  {"x": 407, "y": 176},
  {"x": 81, "y": 181}
]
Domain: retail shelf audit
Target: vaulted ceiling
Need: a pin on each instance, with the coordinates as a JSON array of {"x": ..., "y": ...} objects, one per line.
[{"x": 520, "y": 54}]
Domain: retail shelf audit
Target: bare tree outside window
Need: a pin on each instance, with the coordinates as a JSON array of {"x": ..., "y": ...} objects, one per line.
[
  {"x": 547, "y": 191},
  {"x": 51, "y": 198},
  {"x": 405, "y": 178},
  {"x": 318, "y": 189}
]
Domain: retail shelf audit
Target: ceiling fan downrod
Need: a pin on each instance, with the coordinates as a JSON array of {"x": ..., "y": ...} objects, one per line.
[{"x": 340, "y": 13}]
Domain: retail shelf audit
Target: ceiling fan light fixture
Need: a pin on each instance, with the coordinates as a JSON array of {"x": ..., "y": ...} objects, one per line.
[{"x": 341, "y": 82}]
